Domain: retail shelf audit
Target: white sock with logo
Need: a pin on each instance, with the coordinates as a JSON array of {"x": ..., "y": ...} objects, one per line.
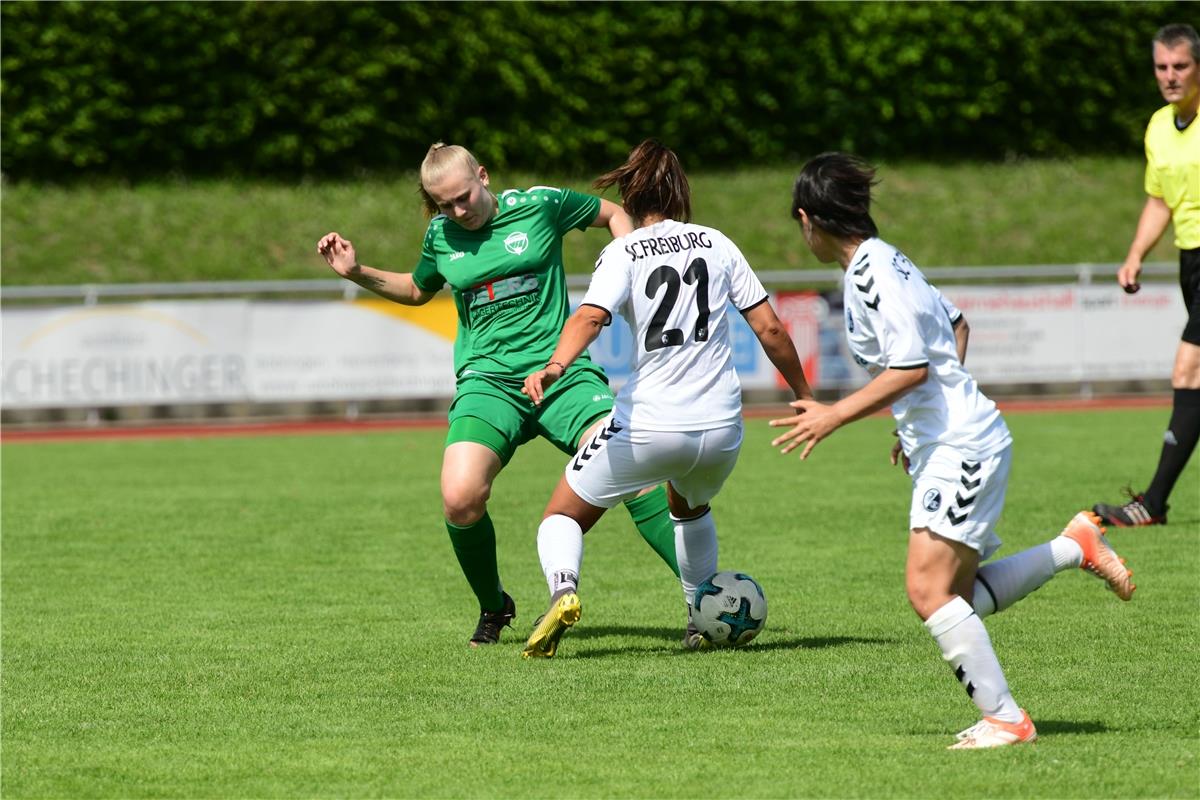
[
  {"x": 965, "y": 645},
  {"x": 696, "y": 551},
  {"x": 560, "y": 549}
]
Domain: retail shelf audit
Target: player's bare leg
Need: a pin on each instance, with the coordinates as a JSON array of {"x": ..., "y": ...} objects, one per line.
[
  {"x": 940, "y": 579},
  {"x": 648, "y": 511}
]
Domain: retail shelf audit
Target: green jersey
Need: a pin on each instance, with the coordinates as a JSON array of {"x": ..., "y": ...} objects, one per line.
[{"x": 507, "y": 279}]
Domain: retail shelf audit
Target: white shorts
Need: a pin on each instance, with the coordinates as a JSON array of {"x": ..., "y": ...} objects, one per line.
[
  {"x": 617, "y": 463},
  {"x": 960, "y": 497}
]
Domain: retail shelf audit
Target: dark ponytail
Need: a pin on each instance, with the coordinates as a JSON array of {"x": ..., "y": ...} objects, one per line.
[{"x": 651, "y": 181}]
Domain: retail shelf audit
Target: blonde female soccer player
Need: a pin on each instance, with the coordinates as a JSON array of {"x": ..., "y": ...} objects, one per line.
[
  {"x": 501, "y": 256},
  {"x": 953, "y": 442}
]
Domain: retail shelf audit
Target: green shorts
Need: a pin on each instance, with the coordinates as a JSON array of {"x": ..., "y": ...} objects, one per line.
[{"x": 495, "y": 414}]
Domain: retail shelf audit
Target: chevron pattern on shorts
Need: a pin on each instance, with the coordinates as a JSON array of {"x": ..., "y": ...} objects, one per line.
[
  {"x": 591, "y": 448},
  {"x": 964, "y": 498}
]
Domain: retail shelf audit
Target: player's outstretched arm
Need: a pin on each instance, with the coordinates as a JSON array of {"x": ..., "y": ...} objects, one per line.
[
  {"x": 815, "y": 421},
  {"x": 613, "y": 217},
  {"x": 395, "y": 286},
  {"x": 580, "y": 331},
  {"x": 779, "y": 347},
  {"x": 1152, "y": 224}
]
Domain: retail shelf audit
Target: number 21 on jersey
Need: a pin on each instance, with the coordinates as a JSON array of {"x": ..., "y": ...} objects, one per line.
[{"x": 657, "y": 334}]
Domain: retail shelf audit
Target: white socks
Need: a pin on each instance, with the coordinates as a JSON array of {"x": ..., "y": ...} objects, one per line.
[
  {"x": 696, "y": 551},
  {"x": 999, "y": 584},
  {"x": 1067, "y": 553},
  {"x": 560, "y": 548},
  {"x": 966, "y": 647},
  {"x": 959, "y": 631}
]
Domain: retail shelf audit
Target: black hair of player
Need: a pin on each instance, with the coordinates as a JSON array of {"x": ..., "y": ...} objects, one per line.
[{"x": 834, "y": 189}]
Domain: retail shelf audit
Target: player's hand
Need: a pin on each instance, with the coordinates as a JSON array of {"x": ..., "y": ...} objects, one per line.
[
  {"x": 1128, "y": 274},
  {"x": 339, "y": 254},
  {"x": 537, "y": 383},
  {"x": 898, "y": 456},
  {"x": 813, "y": 422}
]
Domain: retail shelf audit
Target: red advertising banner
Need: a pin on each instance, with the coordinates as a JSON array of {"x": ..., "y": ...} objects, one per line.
[{"x": 802, "y": 313}]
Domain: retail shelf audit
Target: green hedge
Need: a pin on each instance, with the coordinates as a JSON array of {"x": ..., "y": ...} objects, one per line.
[{"x": 284, "y": 89}]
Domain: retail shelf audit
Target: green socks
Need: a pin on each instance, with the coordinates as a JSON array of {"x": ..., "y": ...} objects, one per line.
[
  {"x": 653, "y": 522},
  {"x": 475, "y": 547}
]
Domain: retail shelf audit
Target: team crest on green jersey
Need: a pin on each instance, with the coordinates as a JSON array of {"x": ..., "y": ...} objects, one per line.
[{"x": 516, "y": 243}]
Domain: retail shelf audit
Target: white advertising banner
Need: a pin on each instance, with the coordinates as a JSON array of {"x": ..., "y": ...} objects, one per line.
[
  {"x": 1070, "y": 333},
  {"x": 348, "y": 351},
  {"x": 144, "y": 353},
  {"x": 212, "y": 351}
]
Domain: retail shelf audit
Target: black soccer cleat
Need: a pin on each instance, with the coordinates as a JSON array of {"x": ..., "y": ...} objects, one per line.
[
  {"x": 1133, "y": 514},
  {"x": 490, "y": 623}
]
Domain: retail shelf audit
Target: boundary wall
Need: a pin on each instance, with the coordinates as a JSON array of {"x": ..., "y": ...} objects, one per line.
[{"x": 320, "y": 348}]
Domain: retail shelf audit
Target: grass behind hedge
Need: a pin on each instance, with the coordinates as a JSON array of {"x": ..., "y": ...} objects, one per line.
[{"x": 1024, "y": 212}]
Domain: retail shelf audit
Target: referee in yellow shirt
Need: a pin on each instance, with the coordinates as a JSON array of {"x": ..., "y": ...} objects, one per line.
[{"x": 1173, "y": 189}]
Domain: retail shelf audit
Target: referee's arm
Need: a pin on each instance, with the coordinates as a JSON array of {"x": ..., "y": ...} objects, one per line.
[{"x": 1152, "y": 224}]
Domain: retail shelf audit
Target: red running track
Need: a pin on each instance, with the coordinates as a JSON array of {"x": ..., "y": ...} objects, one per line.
[{"x": 168, "y": 430}]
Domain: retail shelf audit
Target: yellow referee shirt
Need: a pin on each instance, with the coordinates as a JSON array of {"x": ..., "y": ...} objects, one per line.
[{"x": 1173, "y": 173}]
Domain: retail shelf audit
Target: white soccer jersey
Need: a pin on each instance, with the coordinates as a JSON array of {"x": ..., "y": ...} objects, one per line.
[
  {"x": 896, "y": 319},
  {"x": 673, "y": 282}
]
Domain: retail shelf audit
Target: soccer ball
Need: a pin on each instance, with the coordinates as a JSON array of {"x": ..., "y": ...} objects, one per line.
[{"x": 729, "y": 609}]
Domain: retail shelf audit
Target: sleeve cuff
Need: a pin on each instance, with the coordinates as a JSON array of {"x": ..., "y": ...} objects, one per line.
[{"x": 608, "y": 313}]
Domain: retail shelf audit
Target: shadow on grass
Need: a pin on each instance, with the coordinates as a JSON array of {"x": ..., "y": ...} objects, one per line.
[
  {"x": 585, "y": 631},
  {"x": 669, "y": 641},
  {"x": 1179, "y": 523},
  {"x": 819, "y": 642},
  {"x": 1045, "y": 726}
]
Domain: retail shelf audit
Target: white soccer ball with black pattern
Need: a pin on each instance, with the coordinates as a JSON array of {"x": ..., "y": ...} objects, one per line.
[{"x": 729, "y": 609}]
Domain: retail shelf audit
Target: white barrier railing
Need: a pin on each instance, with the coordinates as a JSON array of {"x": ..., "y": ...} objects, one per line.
[{"x": 90, "y": 293}]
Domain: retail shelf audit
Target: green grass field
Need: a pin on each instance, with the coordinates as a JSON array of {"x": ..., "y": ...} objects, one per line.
[
  {"x": 1024, "y": 212},
  {"x": 282, "y": 617}
]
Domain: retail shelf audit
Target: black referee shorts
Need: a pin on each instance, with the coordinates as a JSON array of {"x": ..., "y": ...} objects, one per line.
[{"x": 1189, "y": 282}]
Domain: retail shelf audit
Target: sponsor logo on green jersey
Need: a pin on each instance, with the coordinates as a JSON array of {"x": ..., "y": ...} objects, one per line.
[{"x": 487, "y": 298}]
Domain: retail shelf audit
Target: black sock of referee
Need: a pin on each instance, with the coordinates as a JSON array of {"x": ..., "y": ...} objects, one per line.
[{"x": 1178, "y": 443}]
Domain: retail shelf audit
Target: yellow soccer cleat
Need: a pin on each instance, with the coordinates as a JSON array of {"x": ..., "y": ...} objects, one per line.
[
  {"x": 564, "y": 612},
  {"x": 693, "y": 639}
]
